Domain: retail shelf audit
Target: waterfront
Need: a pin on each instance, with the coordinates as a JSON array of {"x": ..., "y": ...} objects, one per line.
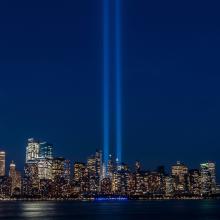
[{"x": 123, "y": 210}]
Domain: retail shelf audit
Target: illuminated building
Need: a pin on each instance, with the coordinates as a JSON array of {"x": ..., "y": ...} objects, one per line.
[
  {"x": 208, "y": 178},
  {"x": 5, "y": 187},
  {"x": 121, "y": 180},
  {"x": 140, "y": 182},
  {"x": 116, "y": 183},
  {"x": 169, "y": 186},
  {"x": 2, "y": 163},
  {"x": 58, "y": 167},
  {"x": 98, "y": 156},
  {"x": 40, "y": 154},
  {"x": 110, "y": 168},
  {"x": 46, "y": 150},
  {"x": 155, "y": 183},
  {"x": 31, "y": 180},
  {"x": 194, "y": 182},
  {"x": 45, "y": 168},
  {"x": 106, "y": 186},
  {"x": 180, "y": 175},
  {"x": 79, "y": 171},
  {"x": 61, "y": 177},
  {"x": 94, "y": 166},
  {"x": 32, "y": 150},
  {"x": 15, "y": 179}
]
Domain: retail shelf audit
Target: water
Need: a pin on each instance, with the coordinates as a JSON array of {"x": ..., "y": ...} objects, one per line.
[{"x": 123, "y": 210}]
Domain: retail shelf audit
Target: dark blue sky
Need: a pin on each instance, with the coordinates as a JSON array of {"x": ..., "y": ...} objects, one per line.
[{"x": 51, "y": 79}]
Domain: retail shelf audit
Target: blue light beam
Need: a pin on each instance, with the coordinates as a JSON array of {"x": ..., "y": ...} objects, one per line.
[
  {"x": 118, "y": 75},
  {"x": 106, "y": 80}
]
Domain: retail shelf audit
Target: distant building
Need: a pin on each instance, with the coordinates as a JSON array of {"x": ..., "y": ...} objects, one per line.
[
  {"x": 2, "y": 163},
  {"x": 195, "y": 182},
  {"x": 208, "y": 178},
  {"x": 180, "y": 176},
  {"x": 46, "y": 150},
  {"x": 79, "y": 171},
  {"x": 15, "y": 179},
  {"x": 45, "y": 168},
  {"x": 32, "y": 150},
  {"x": 169, "y": 186},
  {"x": 94, "y": 168}
]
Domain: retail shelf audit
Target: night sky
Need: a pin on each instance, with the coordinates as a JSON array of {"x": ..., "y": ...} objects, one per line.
[{"x": 51, "y": 62}]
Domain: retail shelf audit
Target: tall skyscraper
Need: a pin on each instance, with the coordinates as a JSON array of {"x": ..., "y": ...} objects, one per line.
[
  {"x": 208, "y": 178},
  {"x": 79, "y": 171},
  {"x": 194, "y": 182},
  {"x": 32, "y": 150},
  {"x": 15, "y": 179},
  {"x": 46, "y": 150},
  {"x": 180, "y": 175},
  {"x": 2, "y": 163}
]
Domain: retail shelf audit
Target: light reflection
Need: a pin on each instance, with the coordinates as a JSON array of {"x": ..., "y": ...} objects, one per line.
[{"x": 37, "y": 209}]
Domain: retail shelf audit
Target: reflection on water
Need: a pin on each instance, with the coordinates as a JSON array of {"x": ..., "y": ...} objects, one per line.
[
  {"x": 129, "y": 210},
  {"x": 37, "y": 209}
]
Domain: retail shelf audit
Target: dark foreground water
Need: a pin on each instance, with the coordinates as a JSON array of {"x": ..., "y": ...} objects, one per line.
[{"x": 129, "y": 210}]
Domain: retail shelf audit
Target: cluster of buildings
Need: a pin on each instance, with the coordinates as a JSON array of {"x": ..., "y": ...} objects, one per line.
[{"x": 49, "y": 177}]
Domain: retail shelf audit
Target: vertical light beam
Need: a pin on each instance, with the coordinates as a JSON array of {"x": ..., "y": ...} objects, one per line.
[
  {"x": 118, "y": 75},
  {"x": 106, "y": 98}
]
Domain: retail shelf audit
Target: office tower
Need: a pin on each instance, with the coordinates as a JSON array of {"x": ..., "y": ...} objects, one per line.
[
  {"x": 67, "y": 170},
  {"x": 169, "y": 186},
  {"x": 180, "y": 175},
  {"x": 61, "y": 176},
  {"x": 106, "y": 186},
  {"x": 79, "y": 171},
  {"x": 141, "y": 179},
  {"x": 194, "y": 182},
  {"x": 32, "y": 150},
  {"x": 31, "y": 181},
  {"x": 5, "y": 187},
  {"x": 110, "y": 167},
  {"x": 2, "y": 163},
  {"x": 208, "y": 178},
  {"x": 153, "y": 184},
  {"x": 94, "y": 167},
  {"x": 12, "y": 174},
  {"x": 58, "y": 167},
  {"x": 45, "y": 168},
  {"x": 98, "y": 156},
  {"x": 116, "y": 183},
  {"x": 121, "y": 180},
  {"x": 15, "y": 179},
  {"x": 92, "y": 174},
  {"x": 46, "y": 150},
  {"x": 44, "y": 161}
]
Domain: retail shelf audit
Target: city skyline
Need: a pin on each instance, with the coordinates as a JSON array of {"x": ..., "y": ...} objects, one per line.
[
  {"x": 48, "y": 176},
  {"x": 51, "y": 83}
]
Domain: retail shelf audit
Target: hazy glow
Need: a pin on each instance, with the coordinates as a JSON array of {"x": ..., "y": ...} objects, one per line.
[
  {"x": 118, "y": 72},
  {"x": 106, "y": 79}
]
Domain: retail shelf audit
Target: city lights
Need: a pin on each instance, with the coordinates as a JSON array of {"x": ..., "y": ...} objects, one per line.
[{"x": 48, "y": 177}]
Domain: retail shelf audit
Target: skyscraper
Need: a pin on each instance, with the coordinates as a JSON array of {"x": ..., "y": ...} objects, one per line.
[
  {"x": 194, "y": 182},
  {"x": 15, "y": 179},
  {"x": 46, "y": 150},
  {"x": 180, "y": 175},
  {"x": 2, "y": 163},
  {"x": 32, "y": 150},
  {"x": 208, "y": 178},
  {"x": 79, "y": 170}
]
